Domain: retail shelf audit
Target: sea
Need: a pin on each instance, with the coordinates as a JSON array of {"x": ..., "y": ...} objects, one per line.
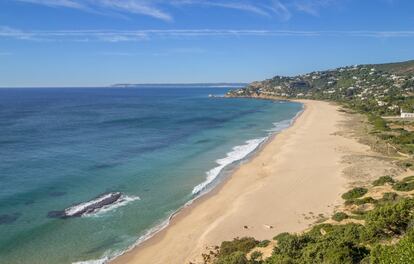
[{"x": 87, "y": 173}]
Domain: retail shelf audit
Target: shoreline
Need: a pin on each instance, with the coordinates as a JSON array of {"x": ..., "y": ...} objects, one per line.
[
  {"x": 211, "y": 188},
  {"x": 160, "y": 247}
]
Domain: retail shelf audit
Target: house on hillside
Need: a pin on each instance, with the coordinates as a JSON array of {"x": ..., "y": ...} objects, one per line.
[{"x": 406, "y": 115}]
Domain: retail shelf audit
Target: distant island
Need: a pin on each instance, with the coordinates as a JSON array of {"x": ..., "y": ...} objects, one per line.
[{"x": 167, "y": 85}]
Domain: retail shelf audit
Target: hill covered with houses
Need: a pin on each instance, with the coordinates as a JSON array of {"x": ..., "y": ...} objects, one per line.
[
  {"x": 382, "y": 92},
  {"x": 384, "y": 89}
]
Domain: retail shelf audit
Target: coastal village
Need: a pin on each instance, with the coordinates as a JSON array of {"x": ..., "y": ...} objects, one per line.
[
  {"x": 370, "y": 86},
  {"x": 383, "y": 92}
]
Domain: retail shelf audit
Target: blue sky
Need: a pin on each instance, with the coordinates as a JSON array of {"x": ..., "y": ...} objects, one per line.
[{"x": 101, "y": 42}]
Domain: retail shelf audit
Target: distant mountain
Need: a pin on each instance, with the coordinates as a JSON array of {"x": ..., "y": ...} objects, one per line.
[{"x": 166, "y": 85}]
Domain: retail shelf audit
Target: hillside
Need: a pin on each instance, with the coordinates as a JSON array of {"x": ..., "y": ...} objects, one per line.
[
  {"x": 382, "y": 88},
  {"x": 406, "y": 67},
  {"x": 380, "y": 91}
]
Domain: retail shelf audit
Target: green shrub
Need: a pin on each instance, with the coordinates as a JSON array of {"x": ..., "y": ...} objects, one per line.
[
  {"x": 389, "y": 197},
  {"x": 244, "y": 245},
  {"x": 291, "y": 245},
  {"x": 337, "y": 244},
  {"x": 263, "y": 243},
  {"x": 354, "y": 193},
  {"x": 281, "y": 236},
  {"x": 378, "y": 123},
  {"x": 404, "y": 186},
  {"x": 365, "y": 201},
  {"x": 256, "y": 256},
  {"x": 361, "y": 201},
  {"x": 390, "y": 219},
  {"x": 237, "y": 257},
  {"x": 383, "y": 180},
  {"x": 408, "y": 179},
  {"x": 402, "y": 252},
  {"x": 339, "y": 216}
]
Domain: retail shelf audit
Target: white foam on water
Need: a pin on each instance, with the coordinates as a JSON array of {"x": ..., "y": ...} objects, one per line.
[
  {"x": 79, "y": 207},
  {"x": 94, "y": 261},
  {"x": 238, "y": 153},
  {"x": 124, "y": 200},
  {"x": 279, "y": 126}
]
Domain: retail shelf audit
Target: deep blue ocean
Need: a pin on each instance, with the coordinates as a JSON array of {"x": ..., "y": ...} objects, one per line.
[{"x": 158, "y": 148}]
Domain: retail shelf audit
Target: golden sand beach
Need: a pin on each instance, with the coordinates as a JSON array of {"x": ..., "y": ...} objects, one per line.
[{"x": 297, "y": 176}]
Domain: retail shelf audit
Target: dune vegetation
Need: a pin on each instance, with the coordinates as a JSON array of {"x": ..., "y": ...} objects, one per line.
[{"x": 382, "y": 234}]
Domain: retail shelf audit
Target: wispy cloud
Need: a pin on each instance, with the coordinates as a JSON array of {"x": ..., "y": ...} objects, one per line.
[
  {"x": 141, "y": 7},
  {"x": 282, "y": 9},
  {"x": 55, "y": 3},
  {"x": 6, "y": 53},
  {"x": 313, "y": 7},
  {"x": 136, "y": 7},
  {"x": 237, "y": 5},
  {"x": 148, "y": 34}
]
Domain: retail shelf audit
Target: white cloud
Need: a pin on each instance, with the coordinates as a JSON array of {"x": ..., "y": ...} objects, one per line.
[
  {"x": 148, "y": 34},
  {"x": 237, "y": 5},
  {"x": 281, "y": 9},
  {"x": 140, "y": 7},
  {"x": 56, "y": 3},
  {"x": 136, "y": 7},
  {"x": 313, "y": 7}
]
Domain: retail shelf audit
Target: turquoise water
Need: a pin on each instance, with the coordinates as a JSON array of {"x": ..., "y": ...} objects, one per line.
[{"x": 159, "y": 147}]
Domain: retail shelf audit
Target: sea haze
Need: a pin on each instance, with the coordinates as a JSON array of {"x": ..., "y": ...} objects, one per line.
[{"x": 86, "y": 173}]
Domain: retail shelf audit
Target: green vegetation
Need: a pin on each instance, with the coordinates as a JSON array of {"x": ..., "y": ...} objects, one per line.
[
  {"x": 263, "y": 243},
  {"x": 339, "y": 216},
  {"x": 237, "y": 245},
  {"x": 387, "y": 233},
  {"x": 404, "y": 186},
  {"x": 361, "y": 201},
  {"x": 378, "y": 123},
  {"x": 349, "y": 243},
  {"x": 354, "y": 193},
  {"x": 408, "y": 179},
  {"x": 383, "y": 180},
  {"x": 373, "y": 90},
  {"x": 256, "y": 256},
  {"x": 402, "y": 252},
  {"x": 389, "y": 197}
]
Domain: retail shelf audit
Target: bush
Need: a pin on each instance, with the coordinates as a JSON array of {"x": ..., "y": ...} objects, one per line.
[
  {"x": 389, "y": 197},
  {"x": 383, "y": 180},
  {"x": 378, "y": 123},
  {"x": 361, "y": 201},
  {"x": 354, "y": 193},
  {"x": 237, "y": 245},
  {"x": 408, "y": 179},
  {"x": 281, "y": 236},
  {"x": 402, "y": 252},
  {"x": 263, "y": 243},
  {"x": 237, "y": 257},
  {"x": 390, "y": 219},
  {"x": 337, "y": 244},
  {"x": 404, "y": 186},
  {"x": 256, "y": 256},
  {"x": 339, "y": 216},
  {"x": 291, "y": 245}
]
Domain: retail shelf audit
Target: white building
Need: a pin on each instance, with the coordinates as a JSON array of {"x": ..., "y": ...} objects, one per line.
[{"x": 406, "y": 115}]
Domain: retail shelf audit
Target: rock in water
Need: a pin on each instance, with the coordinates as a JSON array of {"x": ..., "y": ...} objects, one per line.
[{"x": 89, "y": 207}]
